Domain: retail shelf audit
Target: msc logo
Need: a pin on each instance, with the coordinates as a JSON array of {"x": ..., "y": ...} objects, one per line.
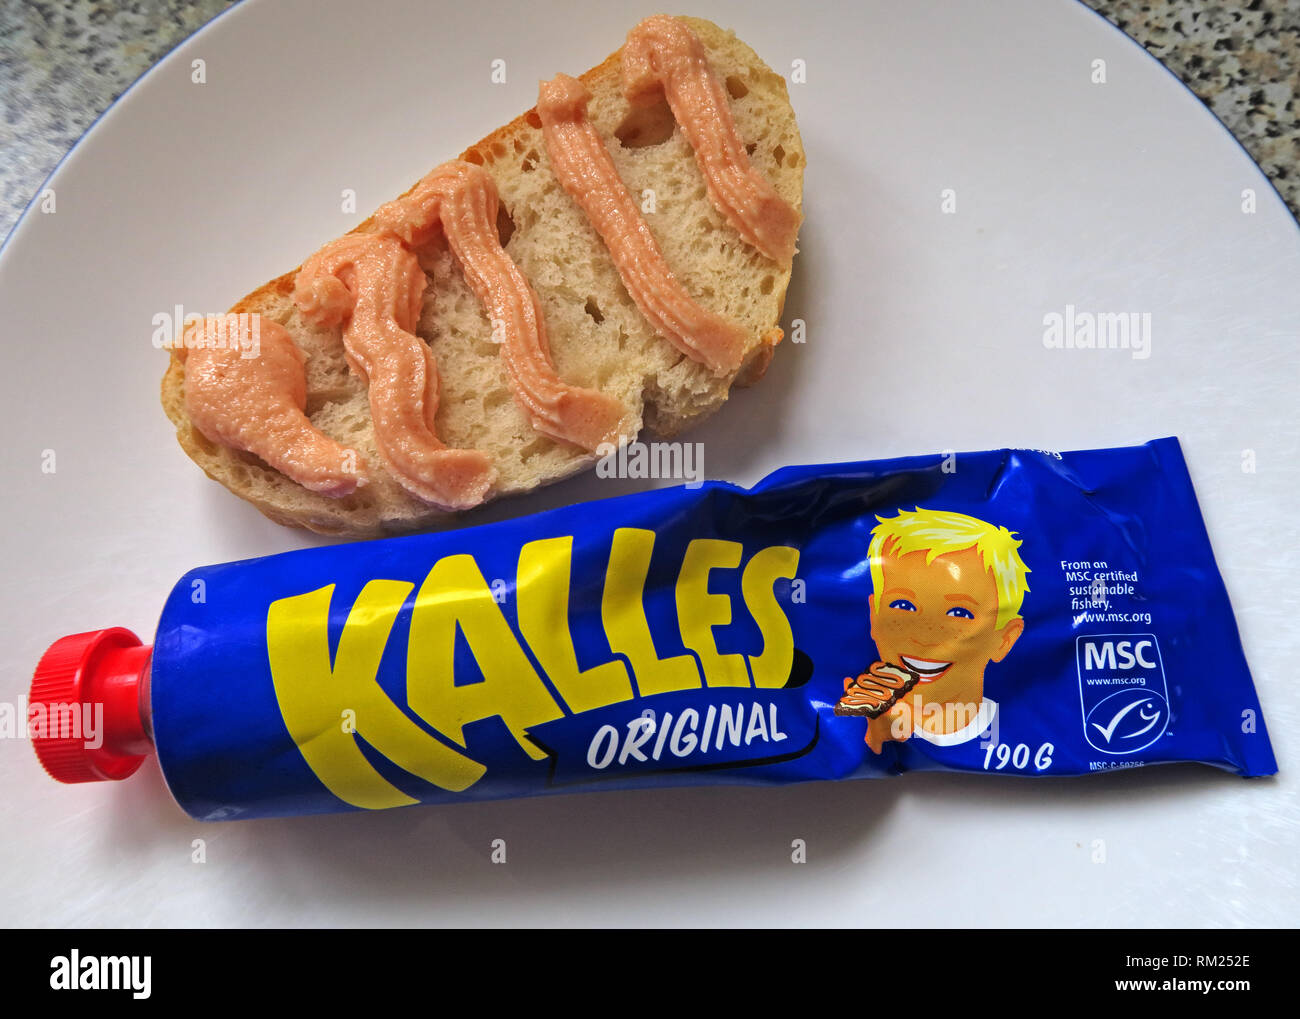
[
  {"x": 1125, "y": 722},
  {"x": 1119, "y": 654},
  {"x": 1122, "y": 691}
]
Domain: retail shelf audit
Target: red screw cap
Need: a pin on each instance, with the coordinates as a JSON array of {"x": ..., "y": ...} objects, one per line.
[{"x": 84, "y": 706}]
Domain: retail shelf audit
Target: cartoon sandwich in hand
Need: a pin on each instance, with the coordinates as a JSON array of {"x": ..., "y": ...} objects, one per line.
[{"x": 947, "y": 591}]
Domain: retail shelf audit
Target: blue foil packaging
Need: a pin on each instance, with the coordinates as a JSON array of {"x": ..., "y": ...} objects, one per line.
[{"x": 1012, "y": 611}]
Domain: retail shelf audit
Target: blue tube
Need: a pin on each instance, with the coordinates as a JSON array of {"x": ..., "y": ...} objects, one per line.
[{"x": 1014, "y": 611}]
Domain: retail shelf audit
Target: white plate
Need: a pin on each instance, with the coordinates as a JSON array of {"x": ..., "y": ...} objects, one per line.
[{"x": 924, "y": 332}]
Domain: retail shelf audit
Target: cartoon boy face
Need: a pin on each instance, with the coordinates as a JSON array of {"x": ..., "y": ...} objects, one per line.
[
  {"x": 946, "y": 595},
  {"x": 940, "y": 619}
]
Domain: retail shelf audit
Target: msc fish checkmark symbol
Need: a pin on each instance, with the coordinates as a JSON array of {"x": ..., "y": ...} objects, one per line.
[{"x": 1109, "y": 730}]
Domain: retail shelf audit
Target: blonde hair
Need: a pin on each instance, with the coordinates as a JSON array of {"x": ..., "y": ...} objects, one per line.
[{"x": 940, "y": 532}]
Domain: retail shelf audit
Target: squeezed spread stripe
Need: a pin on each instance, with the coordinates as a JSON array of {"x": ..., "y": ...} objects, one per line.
[
  {"x": 373, "y": 286},
  {"x": 662, "y": 53},
  {"x": 245, "y": 388},
  {"x": 463, "y": 199},
  {"x": 585, "y": 170}
]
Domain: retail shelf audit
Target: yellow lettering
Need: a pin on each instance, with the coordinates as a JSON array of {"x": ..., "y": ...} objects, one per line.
[
  {"x": 542, "y": 587},
  {"x": 313, "y": 696},
  {"x": 453, "y": 595},
  {"x": 626, "y": 626},
  {"x": 772, "y": 667},
  {"x": 698, "y": 611}
]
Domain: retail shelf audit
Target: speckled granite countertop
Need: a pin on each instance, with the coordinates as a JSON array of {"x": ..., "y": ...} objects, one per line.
[{"x": 63, "y": 62}]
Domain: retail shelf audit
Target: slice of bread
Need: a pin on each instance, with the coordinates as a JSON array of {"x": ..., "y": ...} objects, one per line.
[{"x": 598, "y": 336}]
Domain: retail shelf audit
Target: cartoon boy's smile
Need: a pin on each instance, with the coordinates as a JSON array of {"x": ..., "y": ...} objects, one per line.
[
  {"x": 928, "y": 671},
  {"x": 946, "y": 601}
]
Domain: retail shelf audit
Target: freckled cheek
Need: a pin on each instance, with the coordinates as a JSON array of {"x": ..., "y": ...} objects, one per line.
[
  {"x": 972, "y": 640},
  {"x": 888, "y": 632}
]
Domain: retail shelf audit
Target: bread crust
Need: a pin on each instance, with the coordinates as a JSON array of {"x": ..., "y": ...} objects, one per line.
[{"x": 672, "y": 394}]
